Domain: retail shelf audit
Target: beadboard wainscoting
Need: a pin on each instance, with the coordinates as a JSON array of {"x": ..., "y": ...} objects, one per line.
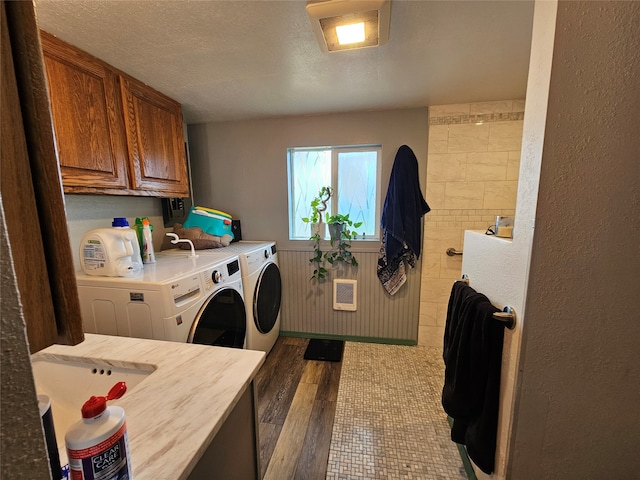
[{"x": 307, "y": 305}]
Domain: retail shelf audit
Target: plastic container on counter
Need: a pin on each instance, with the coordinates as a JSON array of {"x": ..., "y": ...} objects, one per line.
[{"x": 98, "y": 445}]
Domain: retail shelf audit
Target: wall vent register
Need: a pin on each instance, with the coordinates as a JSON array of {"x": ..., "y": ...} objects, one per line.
[{"x": 345, "y": 295}]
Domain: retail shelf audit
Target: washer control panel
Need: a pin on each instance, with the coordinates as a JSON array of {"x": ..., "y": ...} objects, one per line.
[{"x": 220, "y": 275}]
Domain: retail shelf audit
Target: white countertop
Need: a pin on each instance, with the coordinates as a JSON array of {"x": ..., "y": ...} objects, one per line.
[{"x": 174, "y": 413}]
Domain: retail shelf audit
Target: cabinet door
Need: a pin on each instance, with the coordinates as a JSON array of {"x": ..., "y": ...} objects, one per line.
[
  {"x": 155, "y": 140},
  {"x": 87, "y": 118}
]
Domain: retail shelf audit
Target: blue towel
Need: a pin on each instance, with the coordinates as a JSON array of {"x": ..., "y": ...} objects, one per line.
[
  {"x": 473, "y": 360},
  {"x": 404, "y": 207}
]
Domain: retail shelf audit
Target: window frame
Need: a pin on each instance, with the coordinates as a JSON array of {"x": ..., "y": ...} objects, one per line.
[{"x": 335, "y": 151}]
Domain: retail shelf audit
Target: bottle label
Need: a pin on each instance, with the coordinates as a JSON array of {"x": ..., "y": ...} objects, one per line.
[
  {"x": 94, "y": 256},
  {"x": 107, "y": 460}
]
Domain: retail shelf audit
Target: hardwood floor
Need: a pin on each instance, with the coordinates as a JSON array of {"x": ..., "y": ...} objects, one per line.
[{"x": 296, "y": 408}]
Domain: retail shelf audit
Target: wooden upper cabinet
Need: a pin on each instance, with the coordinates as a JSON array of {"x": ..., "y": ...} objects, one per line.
[
  {"x": 114, "y": 134},
  {"x": 155, "y": 139},
  {"x": 87, "y": 117}
]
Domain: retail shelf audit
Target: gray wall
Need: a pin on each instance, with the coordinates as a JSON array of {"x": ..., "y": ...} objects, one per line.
[
  {"x": 577, "y": 412},
  {"x": 241, "y": 168}
]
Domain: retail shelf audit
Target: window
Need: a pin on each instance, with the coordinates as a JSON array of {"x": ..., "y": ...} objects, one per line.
[{"x": 354, "y": 175}]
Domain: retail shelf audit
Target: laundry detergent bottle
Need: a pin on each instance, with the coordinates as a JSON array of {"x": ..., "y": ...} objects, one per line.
[
  {"x": 121, "y": 224},
  {"x": 111, "y": 252},
  {"x": 97, "y": 445}
]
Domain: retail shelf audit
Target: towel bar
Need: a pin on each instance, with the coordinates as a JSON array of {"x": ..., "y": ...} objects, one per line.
[{"x": 508, "y": 316}]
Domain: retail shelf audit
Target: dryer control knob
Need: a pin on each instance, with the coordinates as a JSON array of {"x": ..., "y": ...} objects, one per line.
[
  {"x": 216, "y": 276},
  {"x": 266, "y": 254}
]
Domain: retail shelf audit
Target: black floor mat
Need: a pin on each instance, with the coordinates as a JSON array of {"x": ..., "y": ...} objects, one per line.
[{"x": 327, "y": 350}]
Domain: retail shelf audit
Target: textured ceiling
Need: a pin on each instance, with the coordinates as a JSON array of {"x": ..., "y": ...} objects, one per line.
[{"x": 232, "y": 60}]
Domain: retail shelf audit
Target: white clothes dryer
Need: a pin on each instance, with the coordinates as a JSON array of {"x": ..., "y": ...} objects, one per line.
[
  {"x": 179, "y": 298},
  {"x": 262, "y": 286}
]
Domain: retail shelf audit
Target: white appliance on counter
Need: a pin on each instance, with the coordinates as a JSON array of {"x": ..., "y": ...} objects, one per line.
[
  {"x": 262, "y": 288},
  {"x": 179, "y": 298}
]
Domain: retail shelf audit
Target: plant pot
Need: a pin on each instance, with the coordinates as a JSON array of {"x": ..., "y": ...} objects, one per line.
[
  {"x": 335, "y": 231},
  {"x": 319, "y": 228}
]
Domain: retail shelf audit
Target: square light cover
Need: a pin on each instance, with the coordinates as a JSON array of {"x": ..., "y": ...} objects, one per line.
[{"x": 326, "y": 15}]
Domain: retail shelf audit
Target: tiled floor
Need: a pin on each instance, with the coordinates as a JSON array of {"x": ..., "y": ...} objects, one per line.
[{"x": 389, "y": 423}]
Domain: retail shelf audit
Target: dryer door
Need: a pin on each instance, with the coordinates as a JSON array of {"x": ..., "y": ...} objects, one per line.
[
  {"x": 221, "y": 321},
  {"x": 266, "y": 298}
]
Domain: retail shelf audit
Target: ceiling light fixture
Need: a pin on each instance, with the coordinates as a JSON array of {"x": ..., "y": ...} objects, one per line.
[
  {"x": 353, "y": 33},
  {"x": 329, "y": 16}
]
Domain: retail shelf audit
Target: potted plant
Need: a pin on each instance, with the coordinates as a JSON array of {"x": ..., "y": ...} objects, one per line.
[
  {"x": 318, "y": 207},
  {"x": 340, "y": 230},
  {"x": 336, "y": 225}
]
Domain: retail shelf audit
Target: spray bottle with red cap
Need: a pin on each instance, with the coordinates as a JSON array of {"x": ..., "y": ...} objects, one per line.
[
  {"x": 148, "y": 254},
  {"x": 97, "y": 445}
]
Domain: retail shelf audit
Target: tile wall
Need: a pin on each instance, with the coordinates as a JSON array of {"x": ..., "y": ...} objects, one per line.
[{"x": 473, "y": 161}]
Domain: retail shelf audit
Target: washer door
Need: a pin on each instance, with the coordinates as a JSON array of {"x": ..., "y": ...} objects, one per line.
[
  {"x": 266, "y": 298},
  {"x": 221, "y": 321}
]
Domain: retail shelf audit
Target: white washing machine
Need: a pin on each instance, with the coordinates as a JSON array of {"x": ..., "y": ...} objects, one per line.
[
  {"x": 179, "y": 298},
  {"x": 262, "y": 288}
]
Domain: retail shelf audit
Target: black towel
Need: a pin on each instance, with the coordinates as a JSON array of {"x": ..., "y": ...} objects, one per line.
[
  {"x": 473, "y": 357},
  {"x": 403, "y": 209}
]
